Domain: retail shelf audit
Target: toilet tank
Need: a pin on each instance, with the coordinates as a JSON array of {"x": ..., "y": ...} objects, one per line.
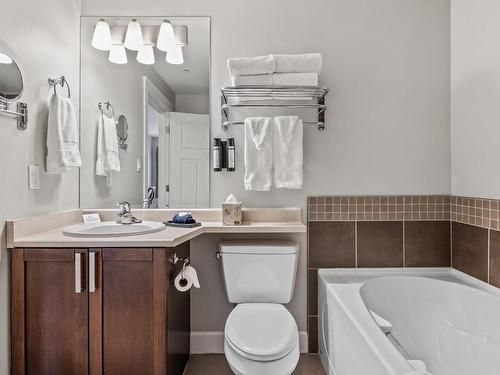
[{"x": 259, "y": 271}]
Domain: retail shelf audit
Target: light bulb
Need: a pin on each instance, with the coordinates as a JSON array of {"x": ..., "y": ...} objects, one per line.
[
  {"x": 175, "y": 55},
  {"x": 146, "y": 55},
  {"x": 117, "y": 54},
  {"x": 166, "y": 37},
  {"x": 133, "y": 37},
  {"x": 101, "y": 39},
  {"x": 5, "y": 59}
]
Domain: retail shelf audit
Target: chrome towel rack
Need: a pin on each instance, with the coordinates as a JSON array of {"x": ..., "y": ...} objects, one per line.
[
  {"x": 60, "y": 81},
  {"x": 307, "y": 97}
]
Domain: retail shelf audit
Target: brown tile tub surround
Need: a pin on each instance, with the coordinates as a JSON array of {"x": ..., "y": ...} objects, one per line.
[
  {"x": 380, "y": 244},
  {"x": 409, "y": 231},
  {"x": 427, "y": 244}
]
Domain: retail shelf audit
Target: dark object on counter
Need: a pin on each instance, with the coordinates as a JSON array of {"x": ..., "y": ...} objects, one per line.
[
  {"x": 183, "y": 218},
  {"x": 180, "y": 225}
]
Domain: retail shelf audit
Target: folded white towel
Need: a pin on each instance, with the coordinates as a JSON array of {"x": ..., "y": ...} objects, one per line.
[
  {"x": 277, "y": 79},
  {"x": 107, "y": 147},
  {"x": 258, "y": 153},
  {"x": 306, "y": 63},
  {"x": 295, "y": 79},
  {"x": 288, "y": 152},
  {"x": 243, "y": 66},
  {"x": 258, "y": 79},
  {"x": 62, "y": 136}
]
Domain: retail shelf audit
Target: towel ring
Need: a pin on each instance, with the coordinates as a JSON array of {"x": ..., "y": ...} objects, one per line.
[
  {"x": 106, "y": 106},
  {"x": 60, "y": 81}
]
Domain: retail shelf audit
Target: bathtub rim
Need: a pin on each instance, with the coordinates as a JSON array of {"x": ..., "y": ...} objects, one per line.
[{"x": 360, "y": 275}]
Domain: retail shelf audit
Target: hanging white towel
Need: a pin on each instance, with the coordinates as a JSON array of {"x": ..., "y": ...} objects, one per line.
[
  {"x": 258, "y": 153},
  {"x": 62, "y": 136},
  {"x": 243, "y": 66},
  {"x": 306, "y": 63},
  {"x": 288, "y": 152},
  {"x": 107, "y": 147}
]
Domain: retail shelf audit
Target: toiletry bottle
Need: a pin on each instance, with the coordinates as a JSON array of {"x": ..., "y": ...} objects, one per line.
[
  {"x": 217, "y": 150},
  {"x": 230, "y": 155}
]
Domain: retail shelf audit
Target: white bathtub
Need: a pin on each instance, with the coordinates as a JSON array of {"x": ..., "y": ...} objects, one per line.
[{"x": 443, "y": 317}]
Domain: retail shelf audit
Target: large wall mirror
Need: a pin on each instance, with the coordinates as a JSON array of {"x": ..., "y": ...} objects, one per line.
[{"x": 152, "y": 74}]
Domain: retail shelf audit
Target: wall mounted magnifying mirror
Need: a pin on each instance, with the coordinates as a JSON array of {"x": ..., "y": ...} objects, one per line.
[
  {"x": 122, "y": 131},
  {"x": 11, "y": 89}
]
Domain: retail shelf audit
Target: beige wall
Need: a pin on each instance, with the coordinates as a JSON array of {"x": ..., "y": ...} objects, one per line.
[
  {"x": 475, "y": 97},
  {"x": 44, "y": 38},
  {"x": 388, "y": 128}
]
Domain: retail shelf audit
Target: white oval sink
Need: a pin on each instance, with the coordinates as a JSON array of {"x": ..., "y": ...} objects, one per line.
[{"x": 111, "y": 228}]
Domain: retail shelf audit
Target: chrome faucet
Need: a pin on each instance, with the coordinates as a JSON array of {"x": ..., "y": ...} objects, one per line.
[{"x": 125, "y": 214}]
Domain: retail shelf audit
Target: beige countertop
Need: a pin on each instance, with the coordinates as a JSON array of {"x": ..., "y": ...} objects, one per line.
[{"x": 46, "y": 231}]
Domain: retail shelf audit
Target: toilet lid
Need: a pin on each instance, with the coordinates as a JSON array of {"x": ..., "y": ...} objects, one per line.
[{"x": 261, "y": 331}]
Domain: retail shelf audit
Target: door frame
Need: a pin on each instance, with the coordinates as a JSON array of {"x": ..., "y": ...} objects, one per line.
[{"x": 152, "y": 95}]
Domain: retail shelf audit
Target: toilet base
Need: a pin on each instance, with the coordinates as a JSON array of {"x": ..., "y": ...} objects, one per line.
[{"x": 244, "y": 366}]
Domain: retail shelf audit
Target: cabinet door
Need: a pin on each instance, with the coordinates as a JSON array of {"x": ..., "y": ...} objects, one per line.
[
  {"x": 128, "y": 312},
  {"x": 49, "y": 312}
]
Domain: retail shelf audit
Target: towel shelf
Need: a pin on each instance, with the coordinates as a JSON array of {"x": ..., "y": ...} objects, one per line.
[{"x": 313, "y": 95}]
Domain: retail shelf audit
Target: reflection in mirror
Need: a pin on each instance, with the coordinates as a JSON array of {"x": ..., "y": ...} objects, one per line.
[
  {"x": 155, "y": 72},
  {"x": 122, "y": 131},
  {"x": 11, "y": 79}
]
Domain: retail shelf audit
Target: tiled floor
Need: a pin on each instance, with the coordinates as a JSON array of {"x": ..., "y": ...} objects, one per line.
[{"x": 215, "y": 364}]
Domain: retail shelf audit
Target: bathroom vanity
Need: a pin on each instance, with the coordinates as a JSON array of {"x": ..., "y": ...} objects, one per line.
[{"x": 95, "y": 305}]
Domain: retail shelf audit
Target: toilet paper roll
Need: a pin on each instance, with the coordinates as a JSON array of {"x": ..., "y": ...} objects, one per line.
[{"x": 182, "y": 284}]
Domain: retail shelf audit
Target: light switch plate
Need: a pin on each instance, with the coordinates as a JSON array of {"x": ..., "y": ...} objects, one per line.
[{"x": 34, "y": 177}]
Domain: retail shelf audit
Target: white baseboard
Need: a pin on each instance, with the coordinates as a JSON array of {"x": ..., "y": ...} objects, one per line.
[{"x": 213, "y": 342}]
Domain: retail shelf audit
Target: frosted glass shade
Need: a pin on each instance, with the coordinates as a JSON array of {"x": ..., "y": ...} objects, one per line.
[
  {"x": 101, "y": 39},
  {"x": 166, "y": 37},
  {"x": 146, "y": 55},
  {"x": 175, "y": 55},
  {"x": 133, "y": 37},
  {"x": 117, "y": 54}
]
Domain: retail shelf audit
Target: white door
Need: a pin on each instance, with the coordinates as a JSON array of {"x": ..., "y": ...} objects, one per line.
[{"x": 189, "y": 160}]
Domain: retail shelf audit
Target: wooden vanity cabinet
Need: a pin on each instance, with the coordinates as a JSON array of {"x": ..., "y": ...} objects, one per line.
[{"x": 98, "y": 311}]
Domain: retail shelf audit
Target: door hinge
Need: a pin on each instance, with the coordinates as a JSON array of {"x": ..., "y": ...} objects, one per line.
[{"x": 167, "y": 188}]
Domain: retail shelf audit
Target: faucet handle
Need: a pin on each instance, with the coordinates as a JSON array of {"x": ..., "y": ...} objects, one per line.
[{"x": 125, "y": 208}]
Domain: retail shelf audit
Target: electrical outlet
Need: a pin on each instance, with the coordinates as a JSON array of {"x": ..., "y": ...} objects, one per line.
[{"x": 34, "y": 177}]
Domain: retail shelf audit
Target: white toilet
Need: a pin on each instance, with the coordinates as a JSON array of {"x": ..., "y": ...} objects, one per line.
[{"x": 261, "y": 336}]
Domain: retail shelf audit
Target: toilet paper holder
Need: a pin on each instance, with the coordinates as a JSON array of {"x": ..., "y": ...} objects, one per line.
[{"x": 174, "y": 259}]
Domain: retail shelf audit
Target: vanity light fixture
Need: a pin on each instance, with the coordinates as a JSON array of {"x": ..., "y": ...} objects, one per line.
[
  {"x": 133, "y": 36},
  {"x": 101, "y": 39},
  {"x": 117, "y": 54},
  {"x": 146, "y": 55},
  {"x": 5, "y": 59},
  {"x": 166, "y": 38},
  {"x": 175, "y": 55}
]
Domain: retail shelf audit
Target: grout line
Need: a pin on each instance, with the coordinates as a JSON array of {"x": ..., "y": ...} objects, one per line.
[{"x": 451, "y": 244}]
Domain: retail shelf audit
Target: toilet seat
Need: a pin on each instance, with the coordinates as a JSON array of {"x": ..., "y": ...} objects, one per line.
[{"x": 261, "y": 331}]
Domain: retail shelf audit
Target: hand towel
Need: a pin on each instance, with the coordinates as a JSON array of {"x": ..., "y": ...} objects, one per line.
[
  {"x": 107, "y": 147},
  {"x": 258, "y": 153},
  {"x": 244, "y": 66},
  {"x": 306, "y": 63},
  {"x": 62, "y": 136},
  {"x": 288, "y": 152}
]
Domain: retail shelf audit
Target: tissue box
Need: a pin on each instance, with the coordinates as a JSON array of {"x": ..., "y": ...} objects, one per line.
[{"x": 231, "y": 213}]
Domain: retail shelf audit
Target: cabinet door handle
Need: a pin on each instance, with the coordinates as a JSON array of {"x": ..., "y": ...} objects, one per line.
[
  {"x": 78, "y": 273},
  {"x": 92, "y": 287}
]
